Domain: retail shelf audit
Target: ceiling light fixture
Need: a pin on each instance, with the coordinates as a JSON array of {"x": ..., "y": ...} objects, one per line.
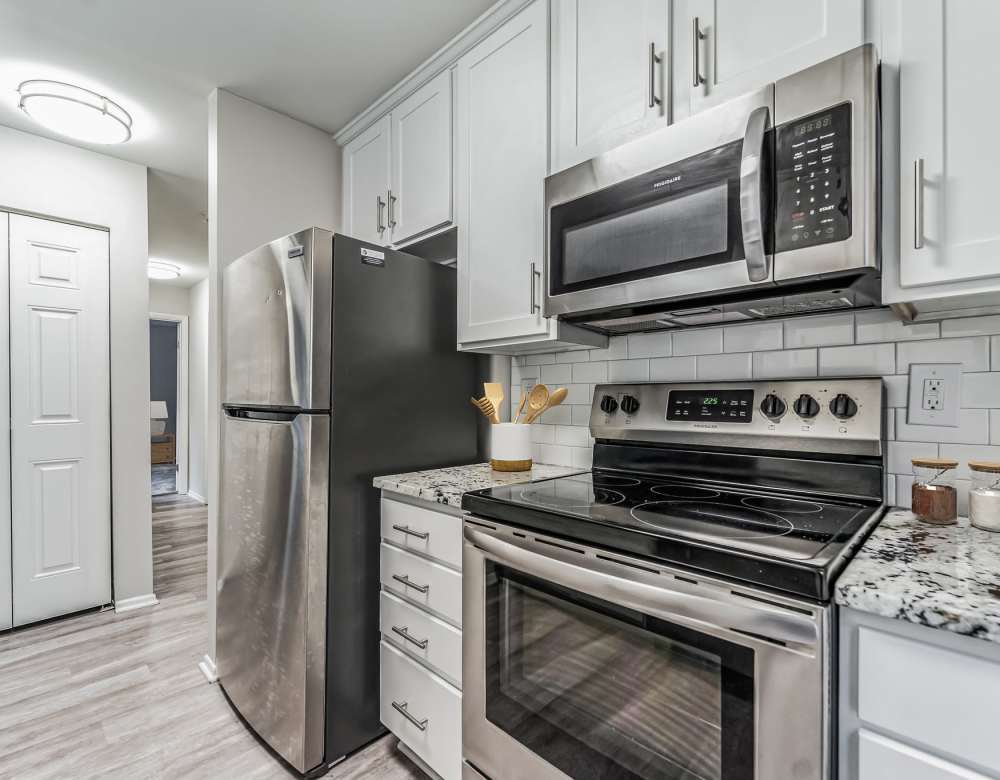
[
  {"x": 160, "y": 269},
  {"x": 74, "y": 111}
]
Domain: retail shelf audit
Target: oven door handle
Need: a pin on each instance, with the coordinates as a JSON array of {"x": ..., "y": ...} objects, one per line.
[
  {"x": 636, "y": 592},
  {"x": 751, "y": 203}
]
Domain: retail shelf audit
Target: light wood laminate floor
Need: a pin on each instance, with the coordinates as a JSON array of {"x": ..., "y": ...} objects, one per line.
[{"x": 120, "y": 696}]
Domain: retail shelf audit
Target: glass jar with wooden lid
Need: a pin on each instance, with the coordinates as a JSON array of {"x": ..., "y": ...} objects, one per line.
[
  {"x": 935, "y": 499},
  {"x": 984, "y": 495}
]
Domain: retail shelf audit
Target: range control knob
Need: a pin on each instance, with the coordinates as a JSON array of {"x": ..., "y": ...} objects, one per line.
[
  {"x": 806, "y": 406},
  {"x": 843, "y": 406},
  {"x": 609, "y": 405},
  {"x": 630, "y": 404},
  {"x": 772, "y": 406}
]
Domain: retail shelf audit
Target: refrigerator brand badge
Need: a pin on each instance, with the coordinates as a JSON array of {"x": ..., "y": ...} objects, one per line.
[
  {"x": 296, "y": 251},
  {"x": 372, "y": 257}
]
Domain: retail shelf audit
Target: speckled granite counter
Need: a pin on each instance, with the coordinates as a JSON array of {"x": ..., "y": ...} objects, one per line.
[
  {"x": 446, "y": 486},
  {"x": 947, "y": 578}
]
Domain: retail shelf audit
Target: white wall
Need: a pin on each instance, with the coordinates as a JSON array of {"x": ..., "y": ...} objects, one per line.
[
  {"x": 167, "y": 299},
  {"x": 198, "y": 388},
  {"x": 62, "y": 181},
  {"x": 268, "y": 175}
]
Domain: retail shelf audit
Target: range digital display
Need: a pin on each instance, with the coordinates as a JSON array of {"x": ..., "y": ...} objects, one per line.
[{"x": 731, "y": 406}]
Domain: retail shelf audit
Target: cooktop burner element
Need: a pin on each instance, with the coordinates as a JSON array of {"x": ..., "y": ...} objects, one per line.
[
  {"x": 613, "y": 480},
  {"x": 570, "y": 494},
  {"x": 720, "y": 520},
  {"x": 684, "y": 491},
  {"x": 788, "y": 506}
]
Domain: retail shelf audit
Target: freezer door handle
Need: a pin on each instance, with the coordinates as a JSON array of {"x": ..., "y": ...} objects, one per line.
[{"x": 267, "y": 415}]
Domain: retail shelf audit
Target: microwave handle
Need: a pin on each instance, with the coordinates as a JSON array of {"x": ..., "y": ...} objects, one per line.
[{"x": 751, "y": 205}]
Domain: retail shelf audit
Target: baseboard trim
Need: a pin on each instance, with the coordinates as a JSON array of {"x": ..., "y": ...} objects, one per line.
[
  {"x": 136, "y": 602},
  {"x": 197, "y": 496},
  {"x": 207, "y": 667}
]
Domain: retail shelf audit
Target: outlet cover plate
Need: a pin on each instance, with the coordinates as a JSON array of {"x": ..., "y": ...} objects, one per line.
[{"x": 935, "y": 394}]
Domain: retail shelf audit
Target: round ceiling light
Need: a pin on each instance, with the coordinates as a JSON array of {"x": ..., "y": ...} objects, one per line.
[
  {"x": 160, "y": 269},
  {"x": 75, "y": 112}
]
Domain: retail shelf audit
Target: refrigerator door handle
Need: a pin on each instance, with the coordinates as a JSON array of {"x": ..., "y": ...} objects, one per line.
[{"x": 268, "y": 415}]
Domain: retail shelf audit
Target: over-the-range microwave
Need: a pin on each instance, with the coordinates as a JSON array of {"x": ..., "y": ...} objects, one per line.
[{"x": 766, "y": 205}]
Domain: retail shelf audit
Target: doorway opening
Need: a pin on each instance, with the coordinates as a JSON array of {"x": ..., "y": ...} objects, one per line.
[{"x": 168, "y": 403}]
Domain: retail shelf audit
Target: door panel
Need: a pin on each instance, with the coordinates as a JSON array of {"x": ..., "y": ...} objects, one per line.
[
  {"x": 366, "y": 184},
  {"x": 60, "y": 418},
  {"x": 6, "y": 605}
]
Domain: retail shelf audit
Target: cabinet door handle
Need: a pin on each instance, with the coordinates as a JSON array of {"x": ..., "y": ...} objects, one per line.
[
  {"x": 410, "y": 532},
  {"x": 401, "y": 707},
  {"x": 918, "y": 203},
  {"x": 653, "y": 62},
  {"x": 379, "y": 206},
  {"x": 405, "y": 579},
  {"x": 404, "y": 632},
  {"x": 392, "y": 210},
  {"x": 696, "y": 37},
  {"x": 534, "y": 305}
]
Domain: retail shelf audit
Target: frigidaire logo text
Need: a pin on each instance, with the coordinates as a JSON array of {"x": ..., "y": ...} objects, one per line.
[{"x": 665, "y": 182}]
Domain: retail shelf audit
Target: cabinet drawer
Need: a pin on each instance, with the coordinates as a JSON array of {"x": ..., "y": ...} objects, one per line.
[
  {"x": 941, "y": 699},
  {"x": 431, "y": 585},
  {"x": 423, "y": 530},
  {"x": 433, "y": 641},
  {"x": 435, "y": 731},
  {"x": 880, "y": 758}
]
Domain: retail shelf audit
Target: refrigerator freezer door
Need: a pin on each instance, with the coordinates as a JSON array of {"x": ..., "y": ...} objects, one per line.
[
  {"x": 272, "y": 569},
  {"x": 276, "y": 315}
]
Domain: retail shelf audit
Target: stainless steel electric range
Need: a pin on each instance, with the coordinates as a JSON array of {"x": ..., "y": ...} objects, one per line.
[{"x": 667, "y": 615}]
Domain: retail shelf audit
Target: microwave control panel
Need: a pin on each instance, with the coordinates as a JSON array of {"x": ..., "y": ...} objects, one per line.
[{"x": 813, "y": 171}]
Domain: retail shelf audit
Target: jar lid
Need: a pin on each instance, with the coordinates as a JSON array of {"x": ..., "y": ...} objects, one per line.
[
  {"x": 935, "y": 463},
  {"x": 990, "y": 467}
]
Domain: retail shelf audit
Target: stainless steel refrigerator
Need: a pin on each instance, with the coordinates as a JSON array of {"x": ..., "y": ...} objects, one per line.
[{"x": 339, "y": 363}]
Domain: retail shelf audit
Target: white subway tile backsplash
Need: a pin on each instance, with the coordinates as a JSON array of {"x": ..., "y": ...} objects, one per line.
[
  {"x": 963, "y": 453},
  {"x": 558, "y": 374},
  {"x": 525, "y": 372},
  {"x": 617, "y": 349},
  {"x": 995, "y": 353},
  {"x": 542, "y": 433},
  {"x": 901, "y": 453},
  {"x": 583, "y": 457},
  {"x": 994, "y": 426},
  {"x": 904, "y": 491},
  {"x": 628, "y": 370},
  {"x": 557, "y": 415},
  {"x": 574, "y": 356},
  {"x": 884, "y": 325},
  {"x": 973, "y": 428},
  {"x": 970, "y": 326},
  {"x": 784, "y": 364},
  {"x": 897, "y": 389},
  {"x": 981, "y": 391},
  {"x": 556, "y": 455},
  {"x": 540, "y": 359},
  {"x": 581, "y": 415},
  {"x": 647, "y": 345},
  {"x": 890, "y": 488},
  {"x": 573, "y": 437},
  {"x": 697, "y": 342},
  {"x": 673, "y": 369},
  {"x": 819, "y": 331},
  {"x": 590, "y": 372},
  {"x": 861, "y": 360},
  {"x": 890, "y": 424},
  {"x": 747, "y": 338},
  {"x": 972, "y": 353},
  {"x": 722, "y": 367},
  {"x": 579, "y": 394}
]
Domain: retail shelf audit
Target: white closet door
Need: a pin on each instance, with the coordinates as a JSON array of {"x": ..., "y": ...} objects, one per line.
[
  {"x": 60, "y": 418},
  {"x": 6, "y": 603}
]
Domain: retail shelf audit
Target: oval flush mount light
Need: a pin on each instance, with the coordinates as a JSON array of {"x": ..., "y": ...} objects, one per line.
[
  {"x": 74, "y": 111},
  {"x": 160, "y": 269}
]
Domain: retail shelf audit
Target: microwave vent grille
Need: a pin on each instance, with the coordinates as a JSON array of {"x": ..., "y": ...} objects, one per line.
[{"x": 801, "y": 306}]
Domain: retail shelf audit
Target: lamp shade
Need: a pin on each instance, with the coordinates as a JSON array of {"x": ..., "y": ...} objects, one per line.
[{"x": 158, "y": 410}]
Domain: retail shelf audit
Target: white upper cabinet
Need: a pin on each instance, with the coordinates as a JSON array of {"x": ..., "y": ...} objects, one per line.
[
  {"x": 502, "y": 112},
  {"x": 366, "y": 164},
  {"x": 610, "y": 66},
  {"x": 420, "y": 196},
  {"x": 724, "y": 48},
  {"x": 948, "y": 157}
]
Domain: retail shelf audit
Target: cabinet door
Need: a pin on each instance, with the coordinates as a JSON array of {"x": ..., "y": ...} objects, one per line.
[
  {"x": 366, "y": 184},
  {"x": 948, "y": 226},
  {"x": 502, "y": 108},
  {"x": 739, "y": 46},
  {"x": 6, "y": 599},
  {"x": 609, "y": 75},
  {"x": 420, "y": 198},
  {"x": 880, "y": 758}
]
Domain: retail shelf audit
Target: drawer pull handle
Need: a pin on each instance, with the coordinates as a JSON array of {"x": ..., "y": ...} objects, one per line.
[
  {"x": 401, "y": 709},
  {"x": 405, "y": 579},
  {"x": 404, "y": 632},
  {"x": 410, "y": 532}
]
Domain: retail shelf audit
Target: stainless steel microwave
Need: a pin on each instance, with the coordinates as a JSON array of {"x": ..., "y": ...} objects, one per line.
[{"x": 767, "y": 205}]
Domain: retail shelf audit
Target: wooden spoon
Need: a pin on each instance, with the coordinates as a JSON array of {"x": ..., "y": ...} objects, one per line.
[
  {"x": 494, "y": 391},
  {"x": 554, "y": 399},
  {"x": 520, "y": 407},
  {"x": 537, "y": 399}
]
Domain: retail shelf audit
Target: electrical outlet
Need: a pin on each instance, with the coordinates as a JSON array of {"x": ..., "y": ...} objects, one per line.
[{"x": 935, "y": 394}]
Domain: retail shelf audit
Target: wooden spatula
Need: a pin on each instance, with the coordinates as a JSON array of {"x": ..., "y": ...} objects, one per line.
[
  {"x": 494, "y": 392},
  {"x": 485, "y": 406}
]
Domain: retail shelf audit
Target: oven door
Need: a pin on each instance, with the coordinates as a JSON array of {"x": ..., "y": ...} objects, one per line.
[
  {"x": 678, "y": 213},
  {"x": 587, "y": 665}
]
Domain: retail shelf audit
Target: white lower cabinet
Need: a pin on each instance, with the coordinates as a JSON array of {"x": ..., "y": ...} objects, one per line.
[
  {"x": 420, "y": 615},
  {"x": 880, "y": 758}
]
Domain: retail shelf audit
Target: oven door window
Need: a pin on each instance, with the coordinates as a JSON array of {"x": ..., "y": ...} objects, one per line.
[
  {"x": 599, "y": 691},
  {"x": 680, "y": 217}
]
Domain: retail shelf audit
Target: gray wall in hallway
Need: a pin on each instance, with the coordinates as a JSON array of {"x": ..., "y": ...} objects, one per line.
[{"x": 163, "y": 367}]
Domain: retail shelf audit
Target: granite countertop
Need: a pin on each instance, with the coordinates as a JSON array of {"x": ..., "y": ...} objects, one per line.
[
  {"x": 944, "y": 577},
  {"x": 446, "y": 486}
]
